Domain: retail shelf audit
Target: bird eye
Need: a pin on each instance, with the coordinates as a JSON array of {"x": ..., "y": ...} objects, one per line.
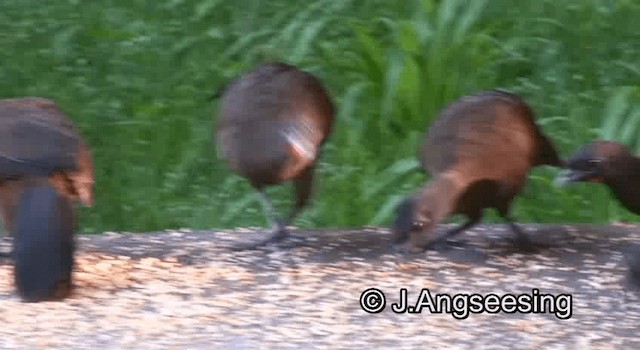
[{"x": 419, "y": 225}]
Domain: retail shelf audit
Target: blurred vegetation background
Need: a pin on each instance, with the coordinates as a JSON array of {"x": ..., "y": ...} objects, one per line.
[{"x": 136, "y": 76}]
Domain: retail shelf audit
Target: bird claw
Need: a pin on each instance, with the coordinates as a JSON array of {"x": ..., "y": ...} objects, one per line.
[
  {"x": 278, "y": 234},
  {"x": 448, "y": 245},
  {"x": 436, "y": 244},
  {"x": 407, "y": 248}
]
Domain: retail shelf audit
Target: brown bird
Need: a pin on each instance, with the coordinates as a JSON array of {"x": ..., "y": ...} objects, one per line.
[
  {"x": 272, "y": 124},
  {"x": 614, "y": 165},
  {"x": 478, "y": 151},
  {"x": 45, "y": 165},
  {"x": 610, "y": 163}
]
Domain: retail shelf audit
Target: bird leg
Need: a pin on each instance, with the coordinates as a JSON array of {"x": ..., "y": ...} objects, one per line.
[
  {"x": 303, "y": 186},
  {"x": 446, "y": 236},
  {"x": 521, "y": 240},
  {"x": 278, "y": 231},
  {"x": 278, "y": 225}
]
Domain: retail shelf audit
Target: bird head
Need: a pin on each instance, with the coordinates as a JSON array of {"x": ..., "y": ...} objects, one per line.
[
  {"x": 413, "y": 221},
  {"x": 598, "y": 161}
]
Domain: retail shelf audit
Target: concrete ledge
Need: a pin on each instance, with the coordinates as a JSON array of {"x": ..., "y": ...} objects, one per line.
[{"x": 188, "y": 289}]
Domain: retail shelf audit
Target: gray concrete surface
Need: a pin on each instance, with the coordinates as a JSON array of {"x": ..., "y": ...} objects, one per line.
[{"x": 188, "y": 290}]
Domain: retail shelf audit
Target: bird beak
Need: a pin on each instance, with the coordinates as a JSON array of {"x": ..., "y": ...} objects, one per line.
[{"x": 568, "y": 176}]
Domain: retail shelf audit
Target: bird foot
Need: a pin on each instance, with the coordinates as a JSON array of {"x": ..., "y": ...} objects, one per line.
[
  {"x": 278, "y": 233},
  {"x": 407, "y": 248},
  {"x": 449, "y": 244},
  {"x": 412, "y": 249}
]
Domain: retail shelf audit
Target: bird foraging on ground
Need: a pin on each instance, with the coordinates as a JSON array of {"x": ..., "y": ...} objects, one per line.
[
  {"x": 45, "y": 165},
  {"x": 272, "y": 124},
  {"x": 478, "y": 151}
]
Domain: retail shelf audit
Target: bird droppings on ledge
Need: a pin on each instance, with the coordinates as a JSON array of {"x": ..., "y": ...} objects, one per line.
[{"x": 188, "y": 290}]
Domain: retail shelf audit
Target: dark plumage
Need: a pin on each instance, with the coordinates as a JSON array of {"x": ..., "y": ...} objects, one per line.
[
  {"x": 38, "y": 139},
  {"x": 43, "y": 158},
  {"x": 614, "y": 165},
  {"x": 610, "y": 163},
  {"x": 272, "y": 124},
  {"x": 478, "y": 151},
  {"x": 43, "y": 243}
]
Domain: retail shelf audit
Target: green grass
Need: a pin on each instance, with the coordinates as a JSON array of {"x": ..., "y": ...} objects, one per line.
[{"x": 135, "y": 76}]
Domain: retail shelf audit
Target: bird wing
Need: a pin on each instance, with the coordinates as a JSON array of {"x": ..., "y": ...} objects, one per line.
[
  {"x": 482, "y": 134},
  {"x": 35, "y": 139}
]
